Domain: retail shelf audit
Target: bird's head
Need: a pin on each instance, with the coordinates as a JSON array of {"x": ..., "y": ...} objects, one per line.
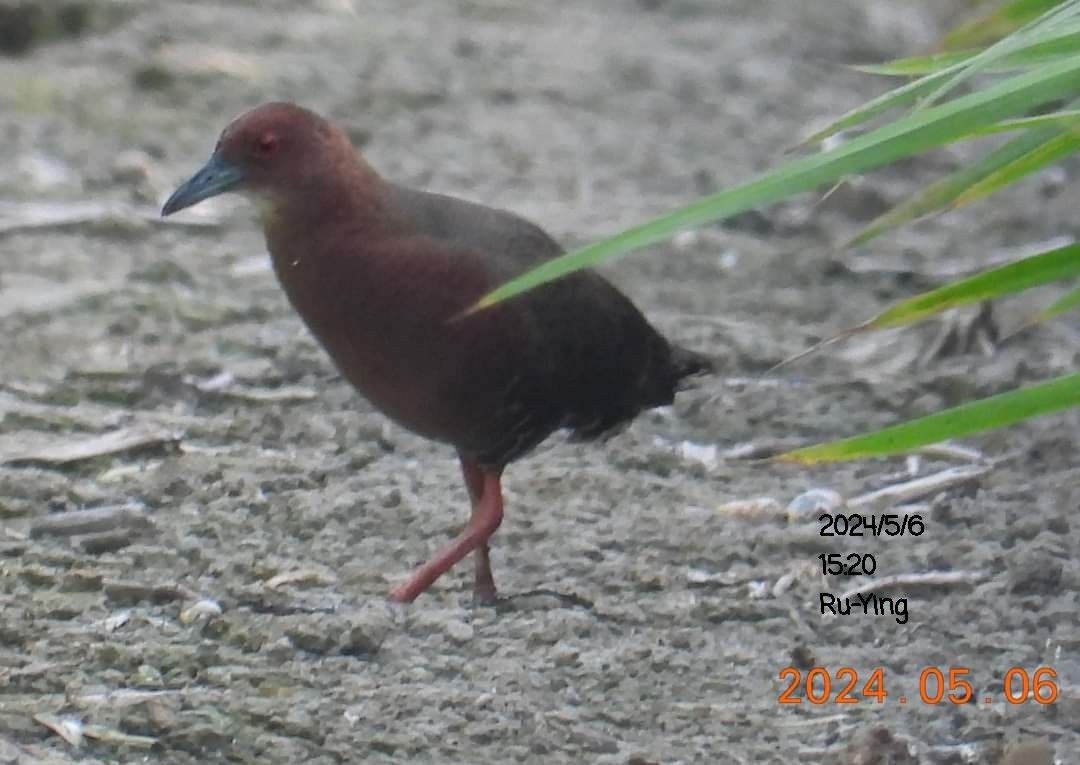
[{"x": 273, "y": 152}]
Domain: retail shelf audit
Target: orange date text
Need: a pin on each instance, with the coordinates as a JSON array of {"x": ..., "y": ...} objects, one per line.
[{"x": 935, "y": 685}]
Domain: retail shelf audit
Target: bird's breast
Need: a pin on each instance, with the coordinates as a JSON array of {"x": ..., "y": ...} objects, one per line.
[{"x": 389, "y": 332}]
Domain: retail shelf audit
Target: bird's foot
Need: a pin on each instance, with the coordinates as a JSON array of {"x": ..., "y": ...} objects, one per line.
[
  {"x": 485, "y": 598},
  {"x": 484, "y": 592},
  {"x": 403, "y": 594}
]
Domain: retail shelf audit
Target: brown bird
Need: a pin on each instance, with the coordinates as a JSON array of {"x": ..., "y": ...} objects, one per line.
[{"x": 381, "y": 274}]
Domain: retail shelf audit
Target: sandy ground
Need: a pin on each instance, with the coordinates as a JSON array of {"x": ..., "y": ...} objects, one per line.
[{"x": 228, "y": 603}]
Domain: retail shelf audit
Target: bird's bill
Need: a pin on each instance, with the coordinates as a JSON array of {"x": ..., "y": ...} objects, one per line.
[{"x": 216, "y": 177}]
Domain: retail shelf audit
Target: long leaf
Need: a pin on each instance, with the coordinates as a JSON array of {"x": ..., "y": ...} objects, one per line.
[
  {"x": 1066, "y": 118},
  {"x": 918, "y": 65},
  {"x": 958, "y": 422},
  {"x": 998, "y": 23},
  {"x": 912, "y": 134},
  {"x": 1046, "y": 154},
  {"x": 1063, "y": 45},
  {"x": 1070, "y": 301},
  {"x": 1051, "y": 26},
  {"x": 1044, "y": 268},
  {"x": 894, "y": 99},
  {"x": 946, "y": 191},
  {"x": 931, "y": 87}
]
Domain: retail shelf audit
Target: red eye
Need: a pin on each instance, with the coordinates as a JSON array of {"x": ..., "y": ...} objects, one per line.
[{"x": 266, "y": 145}]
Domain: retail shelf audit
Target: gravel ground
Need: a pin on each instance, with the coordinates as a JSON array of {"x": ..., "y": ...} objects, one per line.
[{"x": 224, "y": 598}]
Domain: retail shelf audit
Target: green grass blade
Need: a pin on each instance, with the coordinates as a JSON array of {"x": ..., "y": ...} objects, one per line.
[
  {"x": 1061, "y": 45},
  {"x": 1057, "y": 42},
  {"x": 958, "y": 422},
  {"x": 1046, "y": 30},
  {"x": 1046, "y": 154},
  {"x": 943, "y": 193},
  {"x": 998, "y": 23},
  {"x": 917, "y": 66},
  {"x": 912, "y": 134},
  {"x": 1044, "y": 268},
  {"x": 1066, "y": 118},
  {"x": 894, "y": 99},
  {"x": 1070, "y": 301}
]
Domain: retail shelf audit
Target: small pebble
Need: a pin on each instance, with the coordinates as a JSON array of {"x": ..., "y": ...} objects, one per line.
[
  {"x": 200, "y": 610},
  {"x": 1029, "y": 752},
  {"x": 705, "y": 454},
  {"x": 148, "y": 676},
  {"x": 756, "y": 508},
  {"x": 810, "y": 504},
  {"x": 117, "y": 620},
  {"x": 132, "y": 166},
  {"x": 458, "y": 631}
]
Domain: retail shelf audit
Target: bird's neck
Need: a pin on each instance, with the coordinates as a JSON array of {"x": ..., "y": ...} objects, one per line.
[
  {"x": 350, "y": 199},
  {"x": 317, "y": 232}
]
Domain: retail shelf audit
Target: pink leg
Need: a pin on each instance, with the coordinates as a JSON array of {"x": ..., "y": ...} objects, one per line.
[
  {"x": 487, "y": 511},
  {"x": 484, "y": 593}
]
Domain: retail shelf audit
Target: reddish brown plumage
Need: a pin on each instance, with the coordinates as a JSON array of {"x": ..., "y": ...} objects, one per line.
[{"x": 378, "y": 271}]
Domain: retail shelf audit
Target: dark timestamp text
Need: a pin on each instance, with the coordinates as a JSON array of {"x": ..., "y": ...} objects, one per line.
[
  {"x": 852, "y": 564},
  {"x": 883, "y": 525}
]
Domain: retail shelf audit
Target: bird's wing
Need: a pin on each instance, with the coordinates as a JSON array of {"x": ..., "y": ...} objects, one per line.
[{"x": 508, "y": 243}]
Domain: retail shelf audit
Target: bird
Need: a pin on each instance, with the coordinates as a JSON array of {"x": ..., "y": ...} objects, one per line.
[{"x": 383, "y": 276}]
